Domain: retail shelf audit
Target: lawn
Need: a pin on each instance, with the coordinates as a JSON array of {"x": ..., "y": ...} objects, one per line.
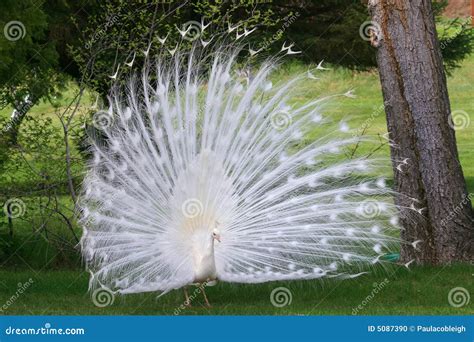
[
  {"x": 418, "y": 291},
  {"x": 59, "y": 286}
]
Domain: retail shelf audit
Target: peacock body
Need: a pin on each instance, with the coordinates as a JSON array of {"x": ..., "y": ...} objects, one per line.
[{"x": 203, "y": 177}]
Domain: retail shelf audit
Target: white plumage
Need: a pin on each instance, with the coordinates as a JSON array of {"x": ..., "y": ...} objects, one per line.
[{"x": 193, "y": 156}]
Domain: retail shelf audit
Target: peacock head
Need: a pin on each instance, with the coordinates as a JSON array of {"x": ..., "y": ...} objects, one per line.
[{"x": 216, "y": 235}]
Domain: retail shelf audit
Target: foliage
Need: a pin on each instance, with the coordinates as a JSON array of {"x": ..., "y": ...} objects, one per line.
[
  {"x": 28, "y": 57},
  {"x": 90, "y": 39},
  {"x": 118, "y": 32},
  {"x": 456, "y": 41},
  {"x": 456, "y": 36},
  {"x": 329, "y": 30},
  {"x": 35, "y": 175}
]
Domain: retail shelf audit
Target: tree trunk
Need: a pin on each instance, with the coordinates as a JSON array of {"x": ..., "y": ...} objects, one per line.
[{"x": 425, "y": 158}]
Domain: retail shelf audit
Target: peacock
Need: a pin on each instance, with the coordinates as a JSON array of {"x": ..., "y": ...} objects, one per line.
[{"x": 204, "y": 176}]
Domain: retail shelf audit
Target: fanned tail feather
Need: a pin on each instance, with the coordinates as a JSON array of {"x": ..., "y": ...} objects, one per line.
[{"x": 190, "y": 149}]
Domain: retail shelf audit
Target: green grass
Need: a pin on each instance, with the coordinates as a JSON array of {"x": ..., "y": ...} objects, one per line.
[{"x": 421, "y": 290}]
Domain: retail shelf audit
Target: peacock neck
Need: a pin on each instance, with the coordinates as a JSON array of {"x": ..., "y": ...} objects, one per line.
[
  {"x": 203, "y": 246},
  {"x": 210, "y": 247},
  {"x": 204, "y": 261}
]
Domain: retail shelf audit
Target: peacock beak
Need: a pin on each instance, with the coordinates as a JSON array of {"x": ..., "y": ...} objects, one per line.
[{"x": 217, "y": 237}]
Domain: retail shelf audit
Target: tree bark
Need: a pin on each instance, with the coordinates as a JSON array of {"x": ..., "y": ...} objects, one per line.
[{"x": 426, "y": 166}]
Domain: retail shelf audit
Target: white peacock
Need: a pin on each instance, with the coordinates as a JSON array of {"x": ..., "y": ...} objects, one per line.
[{"x": 201, "y": 178}]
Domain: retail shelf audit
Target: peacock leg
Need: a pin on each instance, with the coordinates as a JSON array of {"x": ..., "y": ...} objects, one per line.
[
  {"x": 205, "y": 298},
  {"x": 187, "y": 301}
]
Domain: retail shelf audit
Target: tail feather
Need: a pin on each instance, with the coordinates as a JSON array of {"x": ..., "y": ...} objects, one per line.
[{"x": 189, "y": 150}]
